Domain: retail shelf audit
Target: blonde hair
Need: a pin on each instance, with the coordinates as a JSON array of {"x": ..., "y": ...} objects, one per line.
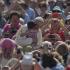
[{"x": 62, "y": 48}]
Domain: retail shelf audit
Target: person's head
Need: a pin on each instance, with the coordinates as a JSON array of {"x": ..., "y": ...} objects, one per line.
[
  {"x": 67, "y": 42},
  {"x": 57, "y": 43},
  {"x": 31, "y": 25},
  {"x": 47, "y": 46},
  {"x": 62, "y": 49},
  {"x": 57, "y": 9},
  {"x": 14, "y": 16},
  {"x": 68, "y": 3},
  {"x": 39, "y": 21},
  {"x": 16, "y": 7},
  {"x": 43, "y": 5},
  {"x": 67, "y": 22},
  {"x": 34, "y": 4},
  {"x": 48, "y": 61},
  {"x": 51, "y": 2},
  {"x": 23, "y": 4},
  {"x": 19, "y": 54},
  {"x": 36, "y": 55},
  {"x": 8, "y": 47},
  {"x": 2, "y": 6}
]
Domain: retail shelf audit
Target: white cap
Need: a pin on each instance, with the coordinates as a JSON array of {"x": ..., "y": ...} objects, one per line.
[{"x": 40, "y": 19}]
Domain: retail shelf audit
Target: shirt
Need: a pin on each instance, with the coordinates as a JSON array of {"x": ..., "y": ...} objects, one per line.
[{"x": 58, "y": 67}]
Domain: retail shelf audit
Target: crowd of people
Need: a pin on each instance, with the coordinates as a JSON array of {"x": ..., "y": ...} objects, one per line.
[{"x": 34, "y": 34}]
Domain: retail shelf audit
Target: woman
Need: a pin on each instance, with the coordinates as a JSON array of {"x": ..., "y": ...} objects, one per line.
[
  {"x": 10, "y": 29},
  {"x": 56, "y": 28},
  {"x": 7, "y": 47},
  {"x": 63, "y": 50}
]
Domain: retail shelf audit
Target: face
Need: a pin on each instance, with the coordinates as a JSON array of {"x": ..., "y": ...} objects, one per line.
[
  {"x": 15, "y": 19},
  {"x": 1, "y": 7},
  {"x": 68, "y": 25},
  {"x": 55, "y": 26}
]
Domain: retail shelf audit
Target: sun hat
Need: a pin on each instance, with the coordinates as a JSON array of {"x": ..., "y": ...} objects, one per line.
[
  {"x": 7, "y": 43},
  {"x": 38, "y": 19},
  {"x": 57, "y": 8}
]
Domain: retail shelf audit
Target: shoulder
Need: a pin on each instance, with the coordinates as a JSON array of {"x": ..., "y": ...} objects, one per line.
[{"x": 6, "y": 27}]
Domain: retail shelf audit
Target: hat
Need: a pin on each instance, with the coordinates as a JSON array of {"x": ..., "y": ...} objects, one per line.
[
  {"x": 68, "y": 17},
  {"x": 7, "y": 43},
  {"x": 39, "y": 19},
  {"x": 57, "y": 8}
]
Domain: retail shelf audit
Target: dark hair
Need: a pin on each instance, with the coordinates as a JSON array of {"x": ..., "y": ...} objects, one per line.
[
  {"x": 46, "y": 15},
  {"x": 24, "y": 5},
  {"x": 37, "y": 55},
  {"x": 48, "y": 61},
  {"x": 67, "y": 42},
  {"x": 68, "y": 4},
  {"x": 43, "y": 4},
  {"x": 31, "y": 24},
  {"x": 18, "y": 51},
  {"x": 56, "y": 11},
  {"x": 14, "y": 13},
  {"x": 66, "y": 22}
]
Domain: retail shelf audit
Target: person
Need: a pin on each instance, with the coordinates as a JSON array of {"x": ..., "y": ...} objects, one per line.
[
  {"x": 2, "y": 19},
  {"x": 11, "y": 28},
  {"x": 29, "y": 35},
  {"x": 27, "y": 62},
  {"x": 8, "y": 48},
  {"x": 43, "y": 8},
  {"x": 28, "y": 10},
  {"x": 25, "y": 15},
  {"x": 67, "y": 10},
  {"x": 47, "y": 46},
  {"x": 51, "y": 4},
  {"x": 19, "y": 54},
  {"x": 48, "y": 63},
  {"x": 67, "y": 25},
  {"x": 56, "y": 28},
  {"x": 62, "y": 49}
]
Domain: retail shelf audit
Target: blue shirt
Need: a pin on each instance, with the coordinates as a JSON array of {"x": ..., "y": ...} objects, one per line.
[
  {"x": 26, "y": 18},
  {"x": 31, "y": 13},
  {"x": 58, "y": 67}
]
